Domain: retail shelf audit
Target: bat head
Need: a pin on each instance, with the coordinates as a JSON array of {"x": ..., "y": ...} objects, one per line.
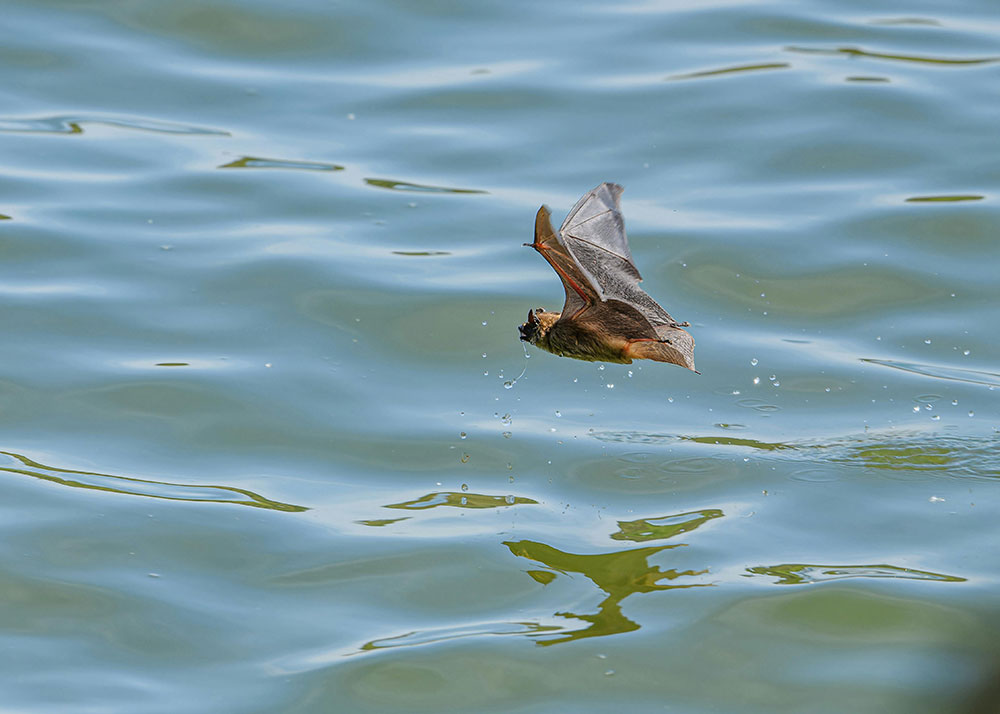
[{"x": 537, "y": 326}]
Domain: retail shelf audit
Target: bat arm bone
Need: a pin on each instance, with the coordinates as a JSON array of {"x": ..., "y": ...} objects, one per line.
[{"x": 562, "y": 274}]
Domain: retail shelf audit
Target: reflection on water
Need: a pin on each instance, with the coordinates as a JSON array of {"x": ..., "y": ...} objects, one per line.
[
  {"x": 731, "y": 70},
  {"x": 460, "y": 499},
  {"x": 74, "y": 125},
  {"x": 426, "y": 637},
  {"x": 802, "y": 573},
  {"x": 957, "y": 374},
  {"x": 645, "y": 529},
  {"x": 141, "y": 487},
  {"x": 619, "y": 574},
  {"x": 256, "y": 162},
  {"x": 856, "y": 52},
  {"x": 416, "y": 187}
]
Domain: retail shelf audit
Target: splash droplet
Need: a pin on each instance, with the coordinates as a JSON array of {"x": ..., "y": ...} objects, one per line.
[
  {"x": 463, "y": 435},
  {"x": 753, "y": 362},
  {"x": 465, "y": 487}
]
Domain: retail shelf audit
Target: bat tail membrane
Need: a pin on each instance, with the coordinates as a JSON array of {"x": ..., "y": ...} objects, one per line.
[{"x": 677, "y": 349}]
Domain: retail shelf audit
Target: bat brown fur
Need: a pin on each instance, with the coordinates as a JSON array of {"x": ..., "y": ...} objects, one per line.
[{"x": 607, "y": 317}]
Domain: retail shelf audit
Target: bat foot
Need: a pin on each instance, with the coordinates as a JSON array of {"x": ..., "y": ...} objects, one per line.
[
  {"x": 681, "y": 324},
  {"x": 665, "y": 342}
]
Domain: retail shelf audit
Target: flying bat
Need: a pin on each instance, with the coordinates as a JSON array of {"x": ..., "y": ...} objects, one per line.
[{"x": 607, "y": 317}]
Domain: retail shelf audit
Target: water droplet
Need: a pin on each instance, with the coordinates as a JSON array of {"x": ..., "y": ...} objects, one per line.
[
  {"x": 609, "y": 385},
  {"x": 486, "y": 373},
  {"x": 966, "y": 352},
  {"x": 609, "y": 673},
  {"x": 506, "y": 419},
  {"x": 776, "y": 383},
  {"x": 506, "y": 435},
  {"x": 484, "y": 355},
  {"x": 463, "y": 435},
  {"x": 735, "y": 392},
  {"x": 972, "y": 413},
  {"x": 508, "y": 384},
  {"x": 670, "y": 399},
  {"x": 558, "y": 413},
  {"x": 465, "y": 487},
  {"x": 267, "y": 364},
  {"x": 484, "y": 323},
  {"x": 756, "y": 380},
  {"x": 753, "y": 362},
  {"x": 928, "y": 407},
  {"x": 763, "y": 295},
  {"x": 936, "y": 499},
  {"x": 510, "y": 500},
  {"x": 954, "y": 402},
  {"x": 464, "y": 501},
  {"x": 574, "y": 380},
  {"x": 936, "y": 417},
  {"x": 600, "y": 367},
  {"x": 916, "y": 409},
  {"x": 772, "y": 377},
  {"x": 827, "y": 389},
  {"x": 630, "y": 374},
  {"x": 465, "y": 458},
  {"x": 927, "y": 341}
]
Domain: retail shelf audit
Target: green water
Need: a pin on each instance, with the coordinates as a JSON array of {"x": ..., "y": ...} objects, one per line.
[{"x": 269, "y": 441}]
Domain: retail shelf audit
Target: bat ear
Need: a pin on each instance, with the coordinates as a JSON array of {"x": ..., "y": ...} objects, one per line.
[{"x": 532, "y": 320}]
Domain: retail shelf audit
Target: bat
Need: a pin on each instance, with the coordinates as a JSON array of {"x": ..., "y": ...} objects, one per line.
[{"x": 607, "y": 317}]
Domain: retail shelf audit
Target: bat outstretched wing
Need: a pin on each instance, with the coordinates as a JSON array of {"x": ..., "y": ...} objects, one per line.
[{"x": 594, "y": 235}]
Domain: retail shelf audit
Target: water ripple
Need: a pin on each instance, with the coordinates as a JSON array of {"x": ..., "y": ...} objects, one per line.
[
  {"x": 920, "y": 59},
  {"x": 956, "y": 374},
  {"x": 803, "y": 573},
  {"x": 257, "y": 162},
  {"x": 127, "y": 485},
  {"x": 731, "y": 70},
  {"x": 416, "y": 187},
  {"x": 73, "y": 124}
]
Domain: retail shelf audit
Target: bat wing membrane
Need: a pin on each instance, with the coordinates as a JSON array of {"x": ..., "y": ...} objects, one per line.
[{"x": 594, "y": 235}]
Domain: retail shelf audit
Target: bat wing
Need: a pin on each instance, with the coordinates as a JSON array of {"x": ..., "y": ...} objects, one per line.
[
  {"x": 594, "y": 235},
  {"x": 580, "y": 292}
]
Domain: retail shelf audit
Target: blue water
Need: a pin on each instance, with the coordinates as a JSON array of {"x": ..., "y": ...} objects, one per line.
[{"x": 268, "y": 438}]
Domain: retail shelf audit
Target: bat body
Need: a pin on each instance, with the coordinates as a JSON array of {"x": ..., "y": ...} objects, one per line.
[{"x": 607, "y": 317}]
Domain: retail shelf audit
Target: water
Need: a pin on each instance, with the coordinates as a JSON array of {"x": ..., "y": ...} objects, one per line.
[{"x": 266, "y": 440}]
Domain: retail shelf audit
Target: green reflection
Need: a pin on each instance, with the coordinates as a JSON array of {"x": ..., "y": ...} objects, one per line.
[
  {"x": 803, "y": 573},
  {"x": 143, "y": 487},
  {"x": 730, "y": 441},
  {"x": 664, "y": 527},
  {"x": 731, "y": 70},
  {"x": 944, "y": 199},
  {"x": 421, "y": 188},
  {"x": 256, "y": 162},
  {"x": 460, "y": 499},
  {"x": 856, "y": 52},
  {"x": 619, "y": 574},
  {"x": 379, "y": 522}
]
